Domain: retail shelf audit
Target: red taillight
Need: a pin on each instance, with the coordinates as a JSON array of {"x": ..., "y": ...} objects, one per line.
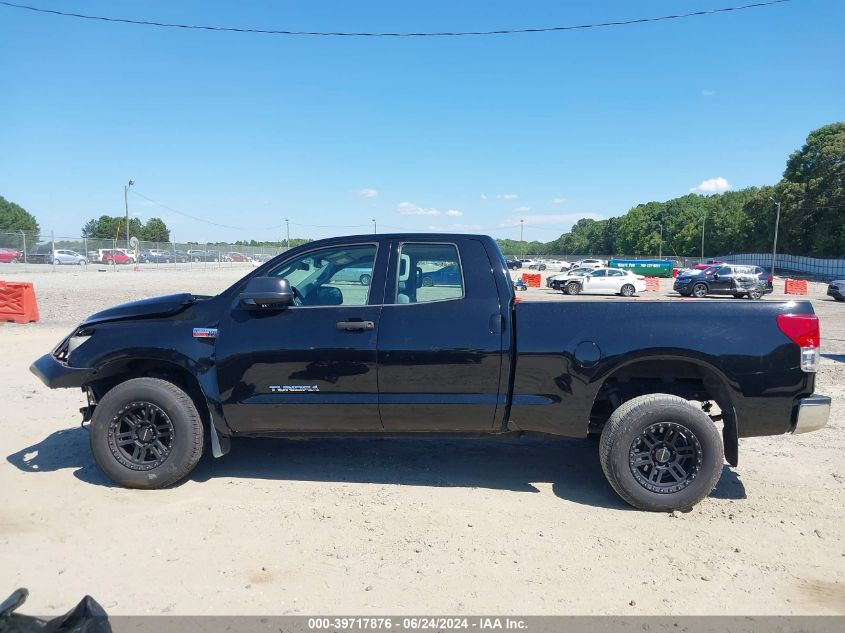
[
  {"x": 770, "y": 279},
  {"x": 803, "y": 329}
]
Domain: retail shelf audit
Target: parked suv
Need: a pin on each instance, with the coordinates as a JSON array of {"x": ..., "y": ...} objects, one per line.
[{"x": 720, "y": 280}]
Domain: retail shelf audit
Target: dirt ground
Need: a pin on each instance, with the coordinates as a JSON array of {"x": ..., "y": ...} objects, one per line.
[{"x": 514, "y": 526}]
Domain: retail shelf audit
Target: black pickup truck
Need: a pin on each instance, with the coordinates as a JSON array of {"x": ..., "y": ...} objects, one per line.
[{"x": 296, "y": 349}]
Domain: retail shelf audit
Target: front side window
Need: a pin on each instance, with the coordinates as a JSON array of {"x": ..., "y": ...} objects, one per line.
[
  {"x": 429, "y": 272},
  {"x": 615, "y": 273},
  {"x": 331, "y": 276}
]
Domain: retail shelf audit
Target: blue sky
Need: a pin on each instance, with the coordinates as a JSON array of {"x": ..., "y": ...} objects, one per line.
[{"x": 466, "y": 134}]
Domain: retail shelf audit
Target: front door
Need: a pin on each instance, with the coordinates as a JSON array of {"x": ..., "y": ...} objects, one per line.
[
  {"x": 310, "y": 367},
  {"x": 440, "y": 339},
  {"x": 596, "y": 281}
]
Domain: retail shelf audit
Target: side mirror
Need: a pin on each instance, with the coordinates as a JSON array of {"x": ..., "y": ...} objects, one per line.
[{"x": 266, "y": 293}]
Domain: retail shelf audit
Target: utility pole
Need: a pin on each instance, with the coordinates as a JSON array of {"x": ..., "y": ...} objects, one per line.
[
  {"x": 775, "y": 242},
  {"x": 521, "y": 226},
  {"x": 287, "y": 226},
  {"x": 660, "y": 248},
  {"x": 126, "y": 204},
  {"x": 374, "y": 226},
  {"x": 703, "y": 220}
]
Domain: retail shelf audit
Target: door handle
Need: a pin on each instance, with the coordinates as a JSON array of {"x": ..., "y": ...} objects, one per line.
[{"x": 355, "y": 326}]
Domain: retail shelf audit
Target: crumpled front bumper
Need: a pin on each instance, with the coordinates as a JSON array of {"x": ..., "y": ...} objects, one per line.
[
  {"x": 58, "y": 375},
  {"x": 813, "y": 413}
]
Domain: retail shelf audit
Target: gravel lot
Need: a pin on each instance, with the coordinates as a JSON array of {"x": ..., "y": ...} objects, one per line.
[{"x": 521, "y": 526}]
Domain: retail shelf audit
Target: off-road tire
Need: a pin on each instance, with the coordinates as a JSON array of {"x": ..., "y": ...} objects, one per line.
[
  {"x": 187, "y": 437},
  {"x": 627, "y": 424}
]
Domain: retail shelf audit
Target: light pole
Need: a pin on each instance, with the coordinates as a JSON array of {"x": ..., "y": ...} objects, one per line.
[
  {"x": 775, "y": 242},
  {"x": 126, "y": 204},
  {"x": 521, "y": 226},
  {"x": 703, "y": 221},
  {"x": 374, "y": 226},
  {"x": 287, "y": 226}
]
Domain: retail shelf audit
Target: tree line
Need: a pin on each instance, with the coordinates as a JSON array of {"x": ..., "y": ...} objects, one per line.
[{"x": 812, "y": 219}]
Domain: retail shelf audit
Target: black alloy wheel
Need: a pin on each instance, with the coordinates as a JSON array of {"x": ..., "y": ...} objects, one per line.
[
  {"x": 666, "y": 457},
  {"x": 141, "y": 436}
]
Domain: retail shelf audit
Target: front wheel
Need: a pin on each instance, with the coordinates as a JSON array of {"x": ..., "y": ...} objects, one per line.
[
  {"x": 146, "y": 433},
  {"x": 660, "y": 453},
  {"x": 14, "y": 260},
  {"x": 573, "y": 288},
  {"x": 365, "y": 279},
  {"x": 628, "y": 290},
  {"x": 699, "y": 291},
  {"x": 427, "y": 282}
]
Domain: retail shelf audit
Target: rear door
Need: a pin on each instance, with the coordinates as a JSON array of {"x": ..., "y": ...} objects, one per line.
[{"x": 440, "y": 346}]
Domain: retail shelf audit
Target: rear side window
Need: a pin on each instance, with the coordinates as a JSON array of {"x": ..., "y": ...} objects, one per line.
[{"x": 429, "y": 272}]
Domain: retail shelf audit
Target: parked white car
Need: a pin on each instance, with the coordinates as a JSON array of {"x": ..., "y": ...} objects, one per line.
[
  {"x": 590, "y": 263},
  {"x": 608, "y": 281},
  {"x": 559, "y": 281}
]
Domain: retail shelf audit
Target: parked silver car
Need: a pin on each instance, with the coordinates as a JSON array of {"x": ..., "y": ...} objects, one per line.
[{"x": 66, "y": 256}]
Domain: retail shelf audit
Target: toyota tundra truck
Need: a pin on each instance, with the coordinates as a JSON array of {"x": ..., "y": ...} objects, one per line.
[{"x": 299, "y": 348}]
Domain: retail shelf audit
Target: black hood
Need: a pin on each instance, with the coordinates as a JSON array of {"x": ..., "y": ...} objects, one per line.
[{"x": 153, "y": 307}]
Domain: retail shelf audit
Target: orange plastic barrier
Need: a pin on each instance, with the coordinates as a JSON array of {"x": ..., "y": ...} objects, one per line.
[
  {"x": 795, "y": 287},
  {"x": 532, "y": 281},
  {"x": 652, "y": 284},
  {"x": 17, "y": 302}
]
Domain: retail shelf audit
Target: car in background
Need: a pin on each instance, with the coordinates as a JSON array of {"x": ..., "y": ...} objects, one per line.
[
  {"x": 560, "y": 281},
  {"x": 181, "y": 256},
  {"x": 213, "y": 256},
  {"x": 116, "y": 257},
  {"x": 836, "y": 289},
  {"x": 615, "y": 281},
  {"x": 513, "y": 263},
  {"x": 360, "y": 275},
  {"x": 447, "y": 276},
  {"x": 67, "y": 256},
  {"x": 721, "y": 279},
  {"x": 590, "y": 263},
  {"x": 40, "y": 254},
  {"x": 196, "y": 255},
  {"x": 156, "y": 256},
  {"x": 537, "y": 266},
  {"x": 10, "y": 256},
  {"x": 234, "y": 256},
  {"x": 260, "y": 258}
]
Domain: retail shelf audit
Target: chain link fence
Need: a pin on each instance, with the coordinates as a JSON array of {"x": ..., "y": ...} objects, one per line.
[{"x": 41, "y": 250}]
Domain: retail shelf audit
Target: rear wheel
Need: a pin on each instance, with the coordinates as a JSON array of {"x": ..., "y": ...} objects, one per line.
[
  {"x": 628, "y": 290},
  {"x": 365, "y": 279},
  {"x": 755, "y": 294},
  {"x": 427, "y": 282},
  {"x": 661, "y": 453},
  {"x": 573, "y": 288},
  {"x": 146, "y": 433},
  {"x": 699, "y": 291}
]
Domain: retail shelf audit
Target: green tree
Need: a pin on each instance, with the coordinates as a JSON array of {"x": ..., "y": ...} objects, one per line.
[
  {"x": 13, "y": 219},
  {"x": 155, "y": 230}
]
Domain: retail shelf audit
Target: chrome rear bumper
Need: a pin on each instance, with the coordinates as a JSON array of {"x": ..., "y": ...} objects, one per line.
[{"x": 813, "y": 413}]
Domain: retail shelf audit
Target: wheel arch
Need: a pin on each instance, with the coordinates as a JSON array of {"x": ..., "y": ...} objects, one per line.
[
  {"x": 687, "y": 376},
  {"x": 178, "y": 370}
]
